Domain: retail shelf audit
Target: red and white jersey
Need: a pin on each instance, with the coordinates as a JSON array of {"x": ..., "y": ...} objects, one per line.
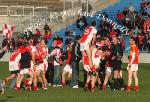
[
  {"x": 88, "y": 35},
  {"x": 69, "y": 57},
  {"x": 32, "y": 49},
  {"x": 85, "y": 59},
  {"x": 44, "y": 51},
  {"x": 96, "y": 56},
  {"x": 16, "y": 56},
  {"x": 134, "y": 54},
  {"x": 57, "y": 53}
]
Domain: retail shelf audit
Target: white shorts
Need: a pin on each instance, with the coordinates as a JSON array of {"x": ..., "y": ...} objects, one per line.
[
  {"x": 86, "y": 68},
  {"x": 40, "y": 67},
  {"x": 25, "y": 71},
  {"x": 109, "y": 69},
  {"x": 68, "y": 69},
  {"x": 84, "y": 46},
  {"x": 45, "y": 63},
  {"x": 13, "y": 66},
  {"x": 134, "y": 67},
  {"x": 96, "y": 62}
]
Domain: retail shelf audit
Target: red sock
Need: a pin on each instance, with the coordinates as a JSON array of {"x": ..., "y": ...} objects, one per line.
[
  {"x": 104, "y": 87},
  {"x": 26, "y": 81},
  {"x": 86, "y": 85},
  {"x": 35, "y": 87},
  {"x": 92, "y": 89},
  {"x": 17, "y": 87},
  {"x": 128, "y": 88},
  {"x": 136, "y": 88},
  {"x": 63, "y": 83}
]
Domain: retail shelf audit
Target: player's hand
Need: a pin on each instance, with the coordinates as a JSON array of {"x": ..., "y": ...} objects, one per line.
[
  {"x": 93, "y": 69},
  {"x": 113, "y": 58},
  {"x": 61, "y": 62},
  {"x": 129, "y": 66},
  {"x": 5, "y": 48}
]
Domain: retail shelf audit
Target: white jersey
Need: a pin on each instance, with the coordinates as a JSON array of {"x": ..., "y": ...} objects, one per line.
[
  {"x": 57, "y": 53},
  {"x": 32, "y": 49},
  {"x": 96, "y": 57},
  {"x": 14, "y": 60},
  {"x": 16, "y": 56},
  {"x": 88, "y": 35}
]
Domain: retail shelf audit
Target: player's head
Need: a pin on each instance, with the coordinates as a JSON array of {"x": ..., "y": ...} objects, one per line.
[
  {"x": 93, "y": 23},
  {"x": 77, "y": 38},
  {"x": 43, "y": 42},
  {"x": 25, "y": 44},
  {"x": 115, "y": 40},
  {"x": 107, "y": 40},
  {"x": 132, "y": 41},
  {"x": 18, "y": 44},
  {"x": 31, "y": 42},
  {"x": 35, "y": 43},
  {"x": 103, "y": 42},
  {"x": 98, "y": 42}
]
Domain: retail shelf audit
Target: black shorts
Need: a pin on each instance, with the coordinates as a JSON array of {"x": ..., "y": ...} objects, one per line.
[
  {"x": 116, "y": 65},
  {"x": 15, "y": 72}
]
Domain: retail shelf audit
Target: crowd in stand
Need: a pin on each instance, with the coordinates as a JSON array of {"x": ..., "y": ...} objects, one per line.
[
  {"x": 138, "y": 24},
  {"x": 100, "y": 52}
]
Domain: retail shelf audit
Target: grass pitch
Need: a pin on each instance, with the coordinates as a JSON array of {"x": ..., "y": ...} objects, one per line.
[{"x": 68, "y": 94}]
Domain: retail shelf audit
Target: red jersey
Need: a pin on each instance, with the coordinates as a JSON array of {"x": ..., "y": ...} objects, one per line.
[
  {"x": 88, "y": 35},
  {"x": 16, "y": 55},
  {"x": 134, "y": 53},
  {"x": 86, "y": 60},
  {"x": 44, "y": 51},
  {"x": 69, "y": 56}
]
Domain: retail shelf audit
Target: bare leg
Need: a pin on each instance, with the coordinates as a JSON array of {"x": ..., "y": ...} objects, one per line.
[
  {"x": 136, "y": 80},
  {"x": 106, "y": 79},
  {"x": 44, "y": 79},
  {"x": 89, "y": 54}
]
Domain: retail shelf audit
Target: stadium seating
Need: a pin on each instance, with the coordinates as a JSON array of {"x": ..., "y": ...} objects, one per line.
[{"x": 111, "y": 11}]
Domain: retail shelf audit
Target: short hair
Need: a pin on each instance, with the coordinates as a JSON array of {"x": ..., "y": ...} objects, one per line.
[
  {"x": 35, "y": 42},
  {"x": 77, "y": 37},
  {"x": 93, "y": 23},
  {"x": 45, "y": 40},
  {"x": 133, "y": 38},
  {"x": 18, "y": 44}
]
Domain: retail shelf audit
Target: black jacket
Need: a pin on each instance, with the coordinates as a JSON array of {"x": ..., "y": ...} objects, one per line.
[{"x": 75, "y": 53}]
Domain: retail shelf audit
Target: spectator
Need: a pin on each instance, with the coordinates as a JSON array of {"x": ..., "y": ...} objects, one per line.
[
  {"x": 145, "y": 42},
  {"x": 128, "y": 22},
  {"x": 74, "y": 61},
  {"x": 46, "y": 28},
  {"x": 140, "y": 42},
  {"x": 112, "y": 33},
  {"x": 120, "y": 16},
  {"x": 67, "y": 41},
  {"x": 125, "y": 11},
  {"x": 135, "y": 31},
  {"x": 67, "y": 33},
  {"x": 105, "y": 14},
  {"x": 48, "y": 35},
  {"x": 147, "y": 24},
  {"x": 73, "y": 33},
  {"x": 148, "y": 43},
  {"x": 38, "y": 32},
  {"x": 131, "y": 8}
]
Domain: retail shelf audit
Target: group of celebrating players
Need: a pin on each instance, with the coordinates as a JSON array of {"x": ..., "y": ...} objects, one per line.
[{"x": 31, "y": 58}]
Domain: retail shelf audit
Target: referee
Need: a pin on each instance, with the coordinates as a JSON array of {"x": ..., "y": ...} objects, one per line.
[{"x": 116, "y": 56}]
